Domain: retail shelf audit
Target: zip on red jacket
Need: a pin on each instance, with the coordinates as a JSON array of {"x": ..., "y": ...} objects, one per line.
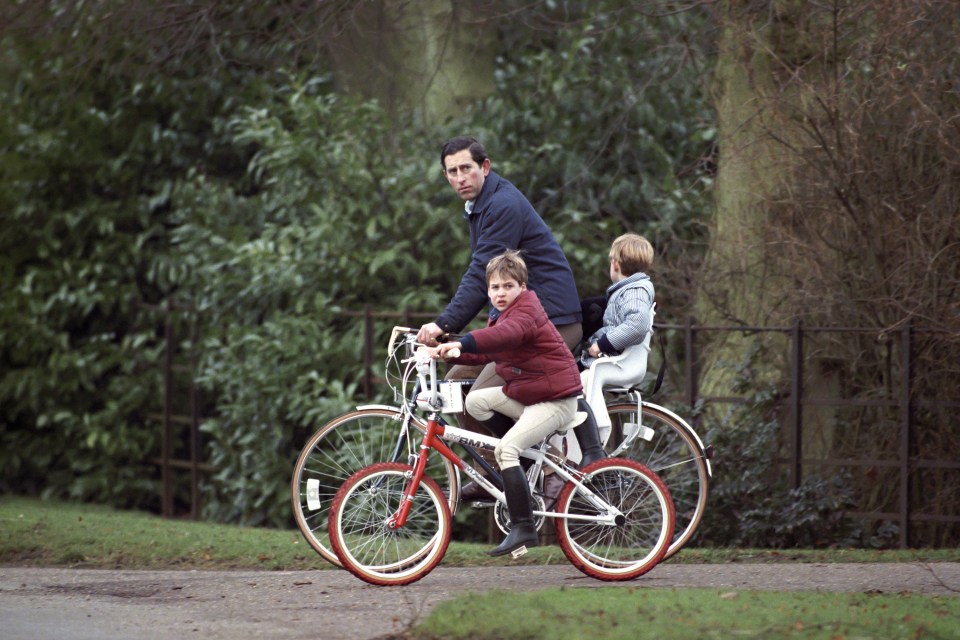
[{"x": 531, "y": 357}]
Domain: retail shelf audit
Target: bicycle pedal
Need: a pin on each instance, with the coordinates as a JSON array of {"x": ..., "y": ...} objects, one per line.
[
  {"x": 479, "y": 504},
  {"x": 519, "y": 551}
]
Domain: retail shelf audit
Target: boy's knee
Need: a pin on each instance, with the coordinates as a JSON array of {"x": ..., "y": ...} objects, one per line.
[{"x": 477, "y": 407}]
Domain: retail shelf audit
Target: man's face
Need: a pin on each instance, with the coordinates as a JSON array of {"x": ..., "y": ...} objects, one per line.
[
  {"x": 464, "y": 175},
  {"x": 503, "y": 291}
]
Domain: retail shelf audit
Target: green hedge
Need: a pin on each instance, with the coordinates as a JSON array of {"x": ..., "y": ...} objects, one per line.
[{"x": 269, "y": 203}]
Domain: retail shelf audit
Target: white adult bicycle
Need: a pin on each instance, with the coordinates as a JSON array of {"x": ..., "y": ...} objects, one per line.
[{"x": 630, "y": 427}]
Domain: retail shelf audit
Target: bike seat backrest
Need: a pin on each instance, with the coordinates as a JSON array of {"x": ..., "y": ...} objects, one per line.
[{"x": 626, "y": 369}]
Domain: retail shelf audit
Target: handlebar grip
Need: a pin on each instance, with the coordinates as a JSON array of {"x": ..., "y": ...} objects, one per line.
[{"x": 453, "y": 353}]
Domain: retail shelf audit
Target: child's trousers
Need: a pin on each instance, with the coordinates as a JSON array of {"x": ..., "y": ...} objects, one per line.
[{"x": 534, "y": 422}]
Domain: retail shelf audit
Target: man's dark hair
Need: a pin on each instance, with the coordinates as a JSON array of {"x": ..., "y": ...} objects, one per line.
[{"x": 454, "y": 145}]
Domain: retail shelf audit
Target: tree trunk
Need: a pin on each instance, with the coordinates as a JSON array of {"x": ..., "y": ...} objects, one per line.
[
  {"x": 737, "y": 288},
  {"x": 434, "y": 56}
]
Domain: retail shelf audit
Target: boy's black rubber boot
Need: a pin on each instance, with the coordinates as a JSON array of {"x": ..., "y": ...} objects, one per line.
[
  {"x": 588, "y": 436},
  {"x": 522, "y": 532},
  {"x": 498, "y": 425}
]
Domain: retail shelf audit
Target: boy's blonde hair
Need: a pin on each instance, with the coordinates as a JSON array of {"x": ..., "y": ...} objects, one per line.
[
  {"x": 508, "y": 265},
  {"x": 633, "y": 253}
]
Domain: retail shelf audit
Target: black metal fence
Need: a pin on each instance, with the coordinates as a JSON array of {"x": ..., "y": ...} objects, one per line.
[
  {"x": 181, "y": 457},
  {"x": 180, "y": 419}
]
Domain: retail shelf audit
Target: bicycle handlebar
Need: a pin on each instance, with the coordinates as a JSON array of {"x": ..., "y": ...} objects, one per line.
[
  {"x": 409, "y": 335},
  {"x": 417, "y": 365}
]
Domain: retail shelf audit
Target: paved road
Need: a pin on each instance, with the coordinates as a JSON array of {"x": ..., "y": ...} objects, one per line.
[{"x": 77, "y": 604}]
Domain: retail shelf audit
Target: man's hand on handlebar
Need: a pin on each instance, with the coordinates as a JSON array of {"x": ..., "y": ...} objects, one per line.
[{"x": 429, "y": 333}]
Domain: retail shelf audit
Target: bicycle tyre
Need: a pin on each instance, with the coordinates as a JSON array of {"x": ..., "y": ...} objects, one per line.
[
  {"x": 370, "y": 550},
  {"x": 629, "y": 548},
  {"x": 339, "y": 449},
  {"x": 674, "y": 454}
]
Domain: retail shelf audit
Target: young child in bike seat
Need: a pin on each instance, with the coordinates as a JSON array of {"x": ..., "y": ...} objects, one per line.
[
  {"x": 541, "y": 377},
  {"x": 628, "y": 316},
  {"x": 627, "y": 319}
]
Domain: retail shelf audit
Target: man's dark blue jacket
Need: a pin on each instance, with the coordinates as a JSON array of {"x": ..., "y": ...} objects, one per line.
[{"x": 502, "y": 218}]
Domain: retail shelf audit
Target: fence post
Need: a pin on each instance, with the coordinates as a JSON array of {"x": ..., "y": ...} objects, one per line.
[
  {"x": 166, "y": 446},
  {"x": 796, "y": 404},
  {"x": 906, "y": 421},
  {"x": 367, "y": 351},
  {"x": 195, "y": 443},
  {"x": 690, "y": 367}
]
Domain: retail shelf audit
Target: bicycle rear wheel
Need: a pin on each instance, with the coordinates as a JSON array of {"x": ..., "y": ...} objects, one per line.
[
  {"x": 674, "y": 453},
  {"x": 638, "y": 540},
  {"x": 339, "y": 449},
  {"x": 367, "y": 547}
]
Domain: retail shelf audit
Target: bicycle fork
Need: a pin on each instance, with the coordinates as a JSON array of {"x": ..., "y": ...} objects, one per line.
[{"x": 430, "y": 440}]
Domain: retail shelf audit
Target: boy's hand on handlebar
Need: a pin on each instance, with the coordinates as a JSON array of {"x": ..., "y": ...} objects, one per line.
[
  {"x": 429, "y": 333},
  {"x": 594, "y": 350},
  {"x": 446, "y": 350}
]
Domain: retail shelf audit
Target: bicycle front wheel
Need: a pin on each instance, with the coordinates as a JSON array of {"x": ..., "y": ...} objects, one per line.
[
  {"x": 636, "y": 541},
  {"x": 339, "y": 449},
  {"x": 673, "y": 453},
  {"x": 365, "y": 543}
]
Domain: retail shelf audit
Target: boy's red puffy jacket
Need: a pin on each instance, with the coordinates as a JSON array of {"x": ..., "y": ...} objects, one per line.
[{"x": 530, "y": 354}]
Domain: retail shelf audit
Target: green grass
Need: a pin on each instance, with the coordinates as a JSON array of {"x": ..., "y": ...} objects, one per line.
[
  {"x": 41, "y": 533},
  {"x": 48, "y": 533},
  {"x": 630, "y": 613}
]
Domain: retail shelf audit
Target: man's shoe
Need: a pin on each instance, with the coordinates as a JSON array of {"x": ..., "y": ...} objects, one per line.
[{"x": 552, "y": 486}]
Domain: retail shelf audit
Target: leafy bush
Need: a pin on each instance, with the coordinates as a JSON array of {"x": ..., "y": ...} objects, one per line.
[
  {"x": 347, "y": 208},
  {"x": 751, "y": 501},
  {"x": 605, "y": 125},
  {"x": 90, "y": 146},
  {"x": 273, "y": 207},
  {"x": 80, "y": 236},
  {"x": 339, "y": 217}
]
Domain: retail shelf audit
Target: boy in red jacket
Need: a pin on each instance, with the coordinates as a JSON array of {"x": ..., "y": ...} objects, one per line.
[{"x": 542, "y": 382}]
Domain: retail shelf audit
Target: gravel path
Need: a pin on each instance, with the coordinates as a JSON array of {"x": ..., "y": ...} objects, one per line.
[{"x": 79, "y": 604}]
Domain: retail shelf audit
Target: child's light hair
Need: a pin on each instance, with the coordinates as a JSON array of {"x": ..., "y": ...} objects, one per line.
[
  {"x": 508, "y": 265},
  {"x": 633, "y": 253}
]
